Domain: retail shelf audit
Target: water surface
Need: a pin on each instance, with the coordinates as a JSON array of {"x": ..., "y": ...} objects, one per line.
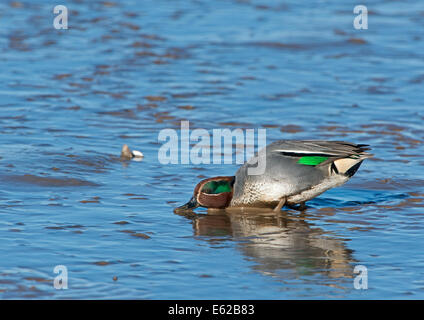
[{"x": 125, "y": 70}]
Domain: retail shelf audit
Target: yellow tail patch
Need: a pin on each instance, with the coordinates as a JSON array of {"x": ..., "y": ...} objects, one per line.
[{"x": 343, "y": 165}]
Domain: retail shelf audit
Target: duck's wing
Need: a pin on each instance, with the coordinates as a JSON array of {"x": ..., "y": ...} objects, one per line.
[
  {"x": 338, "y": 157},
  {"x": 319, "y": 151}
]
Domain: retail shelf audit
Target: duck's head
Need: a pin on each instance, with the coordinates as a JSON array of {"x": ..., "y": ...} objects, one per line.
[{"x": 214, "y": 192}]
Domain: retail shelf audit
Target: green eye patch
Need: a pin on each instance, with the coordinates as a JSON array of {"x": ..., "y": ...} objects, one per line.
[{"x": 215, "y": 187}]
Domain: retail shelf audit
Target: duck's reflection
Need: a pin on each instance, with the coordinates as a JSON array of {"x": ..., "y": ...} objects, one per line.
[{"x": 283, "y": 246}]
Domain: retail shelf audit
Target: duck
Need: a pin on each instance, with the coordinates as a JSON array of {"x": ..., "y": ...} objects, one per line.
[
  {"x": 295, "y": 171},
  {"x": 127, "y": 153}
]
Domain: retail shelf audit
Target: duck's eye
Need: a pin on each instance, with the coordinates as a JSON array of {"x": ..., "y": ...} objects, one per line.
[{"x": 215, "y": 187}]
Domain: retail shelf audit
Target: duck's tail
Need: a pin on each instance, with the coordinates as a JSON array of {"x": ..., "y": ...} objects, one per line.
[{"x": 350, "y": 164}]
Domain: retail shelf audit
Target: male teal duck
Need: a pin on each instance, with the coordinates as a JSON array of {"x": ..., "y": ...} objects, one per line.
[{"x": 296, "y": 171}]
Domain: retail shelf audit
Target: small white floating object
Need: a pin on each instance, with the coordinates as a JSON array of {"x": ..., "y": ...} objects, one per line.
[
  {"x": 127, "y": 153},
  {"x": 137, "y": 154}
]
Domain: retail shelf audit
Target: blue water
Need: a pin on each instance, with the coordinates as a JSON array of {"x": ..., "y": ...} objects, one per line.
[{"x": 125, "y": 70}]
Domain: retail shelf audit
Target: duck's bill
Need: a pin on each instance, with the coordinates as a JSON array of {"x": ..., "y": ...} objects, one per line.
[{"x": 192, "y": 204}]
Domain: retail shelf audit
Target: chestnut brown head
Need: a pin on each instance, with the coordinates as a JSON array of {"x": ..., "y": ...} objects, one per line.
[{"x": 214, "y": 192}]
